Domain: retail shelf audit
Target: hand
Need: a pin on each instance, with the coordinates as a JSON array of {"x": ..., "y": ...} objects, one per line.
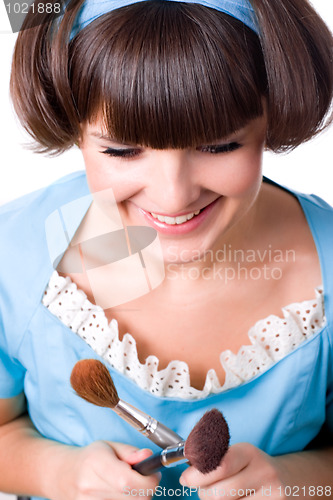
[
  {"x": 244, "y": 471},
  {"x": 101, "y": 470}
]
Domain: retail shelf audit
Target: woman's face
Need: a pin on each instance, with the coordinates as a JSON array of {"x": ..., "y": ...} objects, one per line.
[{"x": 194, "y": 198}]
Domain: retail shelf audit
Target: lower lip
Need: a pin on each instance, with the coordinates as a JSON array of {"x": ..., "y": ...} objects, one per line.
[{"x": 184, "y": 228}]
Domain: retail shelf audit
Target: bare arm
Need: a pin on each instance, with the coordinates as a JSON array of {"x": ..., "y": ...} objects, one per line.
[
  {"x": 22, "y": 449},
  {"x": 35, "y": 466},
  {"x": 11, "y": 408}
]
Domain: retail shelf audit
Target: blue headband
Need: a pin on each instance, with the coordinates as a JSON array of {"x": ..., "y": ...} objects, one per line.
[{"x": 92, "y": 9}]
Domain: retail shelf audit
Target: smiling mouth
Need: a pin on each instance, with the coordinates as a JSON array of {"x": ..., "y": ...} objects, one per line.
[
  {"x": 182, "y": 223},
  {"x": 180, "y": 219}
]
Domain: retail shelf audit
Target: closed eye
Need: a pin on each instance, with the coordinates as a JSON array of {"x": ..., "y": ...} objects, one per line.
[
  {"x": 219, "y": 148},
  {"x": 122, "y": 153},
  {"x": 210, "y": 148}
]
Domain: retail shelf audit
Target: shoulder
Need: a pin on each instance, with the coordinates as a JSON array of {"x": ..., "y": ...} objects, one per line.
[
  {"x": 26, "y": 265},
  {"x": 319, "y": 216},
  {"x": 26, "y": 216},
  {"x": 23, "y": 221},
  {"x": 63, "y": 189},
  {"x": 288, "y": 202},
  {"x": 317, "y": 210},
  {"x": 304, "y": 223}
]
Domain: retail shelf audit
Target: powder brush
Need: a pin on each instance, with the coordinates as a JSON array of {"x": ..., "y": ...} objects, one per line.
[
  {"x": 204, "y": 448},
  {"x": 92, "y": 381}
]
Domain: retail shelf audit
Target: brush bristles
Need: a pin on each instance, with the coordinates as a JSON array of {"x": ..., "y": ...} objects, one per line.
[
  {"x": 92, "y": 381},
  {"x": 208, "y": 442}
]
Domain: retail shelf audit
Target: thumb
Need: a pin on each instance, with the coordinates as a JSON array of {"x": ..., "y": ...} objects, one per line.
[{"x": 130, "y": 454}]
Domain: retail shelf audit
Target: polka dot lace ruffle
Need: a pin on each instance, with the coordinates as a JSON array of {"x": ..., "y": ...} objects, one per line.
[{"x": 271, "y": 339}]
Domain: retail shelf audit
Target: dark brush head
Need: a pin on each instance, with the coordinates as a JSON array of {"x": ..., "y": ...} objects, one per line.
[
  {"x": 208, "y": 442},
  {"x": 92, "y": 381}
]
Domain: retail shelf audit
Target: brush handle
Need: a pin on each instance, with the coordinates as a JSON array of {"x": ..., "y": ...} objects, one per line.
[
  {"x": 147, "y": 425},
  {"x": 163, "y": 436},
  {"x": 149, "y": 465},
  {"x": 169, "y": 457}
]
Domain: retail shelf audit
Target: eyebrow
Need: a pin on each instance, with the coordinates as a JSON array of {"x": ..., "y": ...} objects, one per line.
[
  {"x": 103, "y": 137},
  {"x": 99, "y": 135}
]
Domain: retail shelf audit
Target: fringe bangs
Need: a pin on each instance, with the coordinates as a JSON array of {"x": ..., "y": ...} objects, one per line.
[{"x": 169, "y": 78}]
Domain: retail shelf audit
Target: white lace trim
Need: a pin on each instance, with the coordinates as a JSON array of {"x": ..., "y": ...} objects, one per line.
[{"x": 271, "y": 339}]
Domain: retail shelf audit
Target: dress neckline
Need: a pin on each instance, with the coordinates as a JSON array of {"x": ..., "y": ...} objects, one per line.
[{"x": 270, "y": 340}]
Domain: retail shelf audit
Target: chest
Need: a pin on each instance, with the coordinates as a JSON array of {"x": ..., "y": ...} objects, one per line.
[
  {"x": 195, "y": 317},
  {"x": 278, "y": 422},
  {"x": 196, "y": 322}
]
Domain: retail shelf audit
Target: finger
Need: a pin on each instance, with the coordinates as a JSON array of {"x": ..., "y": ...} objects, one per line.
[
  {"x": 125, "y": 480},
  {"x": 237, "y": 458},
  {"x": 132, "y": 455},
  {"x": 137, "y": 456},
  {"x": 114, "y": 468},
  {"x": 122, "y": 450},
  {"x": 128, "y": 453},
  {"x": 242, "y": 485}
]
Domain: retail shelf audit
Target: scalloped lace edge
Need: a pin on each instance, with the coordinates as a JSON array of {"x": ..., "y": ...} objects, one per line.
[{"x": 271, "y": 340}]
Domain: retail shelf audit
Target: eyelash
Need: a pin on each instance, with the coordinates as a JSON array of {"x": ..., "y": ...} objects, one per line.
[
  {"x": 212, "y": 149},
  {"x": 121, "y": 153},
  {"x": 220, "y": 148}
]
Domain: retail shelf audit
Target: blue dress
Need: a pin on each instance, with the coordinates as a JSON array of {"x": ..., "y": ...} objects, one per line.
[{"x": 280, "y": 411}]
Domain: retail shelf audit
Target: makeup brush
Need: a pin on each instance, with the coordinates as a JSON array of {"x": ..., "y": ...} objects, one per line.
[
  {"x": 204, "y": 448},
  {"x": 92, "y": 381}
]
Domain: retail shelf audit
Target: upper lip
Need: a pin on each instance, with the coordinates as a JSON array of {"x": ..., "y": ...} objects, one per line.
[{"x": 179, "y": 214}]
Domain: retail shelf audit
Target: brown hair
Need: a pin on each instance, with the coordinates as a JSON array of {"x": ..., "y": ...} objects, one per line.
[{"x": 165, "y": 74}]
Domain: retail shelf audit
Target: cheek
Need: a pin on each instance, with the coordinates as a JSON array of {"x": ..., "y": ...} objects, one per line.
[
  {"x": 242, "y": 176},
  {"x": 102, "y": 175},
  {"x": 95, "y": 171}
]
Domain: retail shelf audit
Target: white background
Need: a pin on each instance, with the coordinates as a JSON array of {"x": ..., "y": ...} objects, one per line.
[{"x": 308, "y": 169}]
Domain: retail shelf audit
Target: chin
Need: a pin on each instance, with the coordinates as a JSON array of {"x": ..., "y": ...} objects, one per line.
[{"x": 176, "y": 253}]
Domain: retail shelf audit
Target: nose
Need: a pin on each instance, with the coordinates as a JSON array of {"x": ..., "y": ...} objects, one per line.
[{"x": 174, "y": 186}]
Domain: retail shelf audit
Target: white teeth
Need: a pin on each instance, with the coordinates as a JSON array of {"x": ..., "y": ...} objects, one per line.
[
  {"x": 175, "y": 220},
  {"x": 181, "y": 219}
]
